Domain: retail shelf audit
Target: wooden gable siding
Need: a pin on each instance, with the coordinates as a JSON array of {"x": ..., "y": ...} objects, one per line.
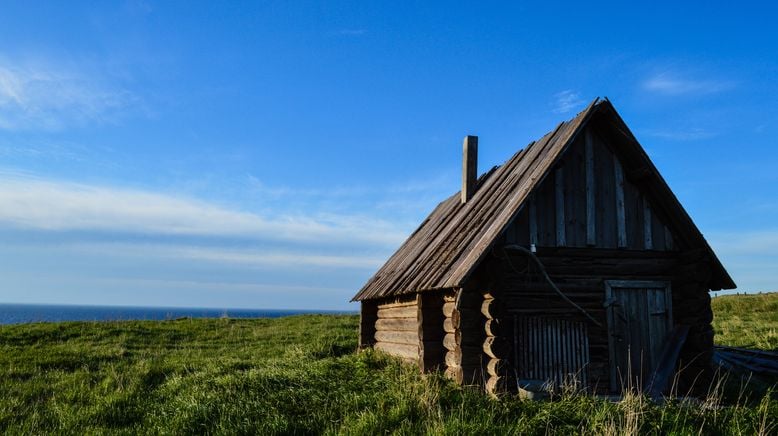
[{"x": 617, "y": 215}]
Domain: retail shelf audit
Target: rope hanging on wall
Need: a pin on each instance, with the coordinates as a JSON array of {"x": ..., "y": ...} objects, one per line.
[{"x": 548, "y": 279}]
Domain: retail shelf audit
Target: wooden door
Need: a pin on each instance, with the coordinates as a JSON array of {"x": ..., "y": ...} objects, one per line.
[{"x": 639, "y": 320}]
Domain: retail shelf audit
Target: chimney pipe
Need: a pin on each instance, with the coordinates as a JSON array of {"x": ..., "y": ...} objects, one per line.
[{"x": 469, "y": 167}]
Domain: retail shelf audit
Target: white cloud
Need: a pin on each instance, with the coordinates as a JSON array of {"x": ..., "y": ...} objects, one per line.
[
  {"x": 257, "y": 258},
  {"x": 242, "y": 257},
  {"x": 168, "y": 252},
  {"x": 31, "y": 203},
  {"x": 567, "y": 100},
  {"x": 673, "y": 84},
  {"x": 42, "y": 96}
]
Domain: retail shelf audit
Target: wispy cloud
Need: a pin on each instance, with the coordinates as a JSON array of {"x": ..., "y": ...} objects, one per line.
[
  {"x": 31, "y": 203},
  {"x": 691, "y": 134},
  {"x": 246, "y": 257},
  {"x": 439, "y": 185},
  {"x": 37, "y": 95},
  {"x": 566, "y": 101},
  {"x": 674, "y": 84}
]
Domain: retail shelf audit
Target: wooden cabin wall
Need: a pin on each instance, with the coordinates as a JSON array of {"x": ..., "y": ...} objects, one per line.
[
  {"x": 691, "y": 306},
  {"x": 397, "y": 327},
  {"x": 495, "y": 346},
  {"x": 588, "y": 200},
  {"x": 410, "y": 327},
  {"x": 465, "y": 336},
  {"x": 591, "y": 223},
  {"x": 368, "y": 315},
  {"x": 580, "y": 273},
  {"x": 431, "y": 317}
]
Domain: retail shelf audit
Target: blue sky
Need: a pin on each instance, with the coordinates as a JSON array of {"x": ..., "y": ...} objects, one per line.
[{"x": 274, "y": 154}]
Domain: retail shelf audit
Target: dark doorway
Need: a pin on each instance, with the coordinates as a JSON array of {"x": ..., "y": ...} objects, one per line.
[{"x": 639, "y": 320}]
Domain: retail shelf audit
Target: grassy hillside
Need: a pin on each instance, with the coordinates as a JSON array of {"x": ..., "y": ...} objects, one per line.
[
  {"x": 290, "y": 375},
  {"x": 749, "y": 320}
]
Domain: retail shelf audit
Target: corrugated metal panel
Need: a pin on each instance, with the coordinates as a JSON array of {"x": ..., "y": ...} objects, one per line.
[{"x": 552, "y": 350}]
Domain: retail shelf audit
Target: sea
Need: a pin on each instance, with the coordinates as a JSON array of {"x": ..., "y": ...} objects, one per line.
[{"x": 27, "y": 313}]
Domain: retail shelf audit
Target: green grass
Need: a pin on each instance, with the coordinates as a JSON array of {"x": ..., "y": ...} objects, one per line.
[
  {"x": 748, "y": 320},
  {"x": 291, "y": 375}
]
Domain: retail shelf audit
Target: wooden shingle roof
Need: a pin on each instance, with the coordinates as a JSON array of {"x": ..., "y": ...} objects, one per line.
[{"x": 447, "y": 247}]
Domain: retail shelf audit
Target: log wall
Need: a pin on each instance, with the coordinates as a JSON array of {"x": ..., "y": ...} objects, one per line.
[
  {"x": 410, "y": 327},
  {"x": 579, "y": 273},
  {"x": 464, "y": 337},
  {"x": 495, "y": 346},
  {"x": 431, "y": 336},
  {"x": 396, "y": 329}
]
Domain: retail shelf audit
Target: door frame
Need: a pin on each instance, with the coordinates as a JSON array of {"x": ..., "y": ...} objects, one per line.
[{"x": 609, "y": 300}]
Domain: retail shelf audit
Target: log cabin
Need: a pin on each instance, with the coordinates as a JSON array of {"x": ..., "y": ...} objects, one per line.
[{"x": 572, "y": 264}]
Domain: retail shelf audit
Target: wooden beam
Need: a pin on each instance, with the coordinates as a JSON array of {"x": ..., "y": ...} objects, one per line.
[
  {"x": 495, "y": 347},
  {"x": 591, "y": 237},
  {"x": 397, "y": 324},
  {"x": 559, "y": 195},
  {"x": 491, "y": 309},
  {"x": 497, "y": 367},
  {"x": 533, "y": 221},
  {"x": 398, "y": 312},
  {"x": 648, "y": 236},
  {"x": 621, "y": 219},
  {"x": 450, "y": 341},
  {"x": 668, "y": 239},
  {"x": 397, "y": 337},
  {"x": 469, "y": 167},
  {"x": 496, "y": 384},
  {"x": 448, "y": 308},
  {"x": 400, "y": 350},
  {"x": 492, "y": 327},
  {"x": 397, "y": 304},
  {"x": 448, "y": 325}
]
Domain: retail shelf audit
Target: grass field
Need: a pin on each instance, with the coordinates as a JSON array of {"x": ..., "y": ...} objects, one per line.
[
  {"x": 748, "y": 320},
  {"x": 298, "y": 375}
]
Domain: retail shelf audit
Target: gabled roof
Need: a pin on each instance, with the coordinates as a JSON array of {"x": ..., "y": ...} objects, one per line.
[{"x": 455, "y": 237}]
